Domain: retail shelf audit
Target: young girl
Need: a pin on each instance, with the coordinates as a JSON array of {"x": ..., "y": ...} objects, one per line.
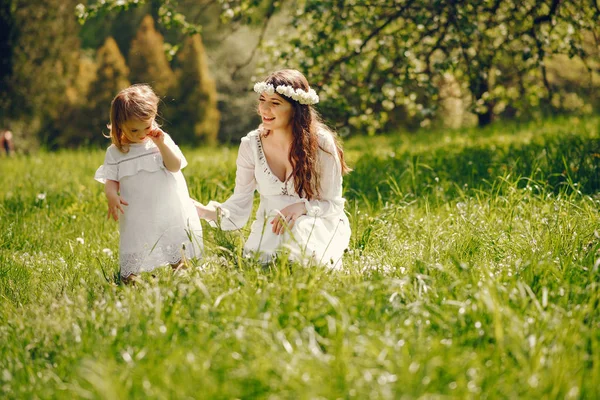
[
  {"x": 145, "y": 188},
  {"x": 296, "y": 164}
]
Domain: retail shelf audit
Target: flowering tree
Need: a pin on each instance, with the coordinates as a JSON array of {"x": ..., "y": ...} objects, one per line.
[{"x": 376, "y": 59}]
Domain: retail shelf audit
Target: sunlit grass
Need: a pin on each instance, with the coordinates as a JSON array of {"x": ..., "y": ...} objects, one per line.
[{"x": 462, "y": 280}]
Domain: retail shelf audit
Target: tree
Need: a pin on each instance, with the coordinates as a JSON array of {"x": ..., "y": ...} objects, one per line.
[
  {"x": 196, "y": 98},
  {"x": 376, "y": 59},
  {"x": 40, "y": 52},
  {"x": 6, "y": 30},
  {"x": 111, "y": 76},
  {"x": 147, "y": 60},
  {"x": 89, "y": 119}
]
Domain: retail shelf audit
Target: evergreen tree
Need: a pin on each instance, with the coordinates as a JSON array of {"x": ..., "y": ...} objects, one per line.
[
  {"x": 111, "y": 77},
  {"x": 196, "y": 115},
  {"x": 90, "y": 118},
  {"x": 40, "y": 55},
  {"x": 147, "y": 59}
]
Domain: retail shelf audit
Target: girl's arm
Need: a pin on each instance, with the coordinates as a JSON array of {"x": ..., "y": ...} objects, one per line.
[
  {"x": 115, "y": 202},
  {"x": 170, "y": 158}
]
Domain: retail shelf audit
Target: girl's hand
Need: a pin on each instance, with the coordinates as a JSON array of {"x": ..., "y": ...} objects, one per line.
[
  {"x": 205, "y": 212},
  {"x": 157, "y": 135},
  {"x": 115, "y": 204},
  {"x": 287, "y": 217}
]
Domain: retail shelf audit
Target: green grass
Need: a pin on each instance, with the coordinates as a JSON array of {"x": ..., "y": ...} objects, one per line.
[{"x": 472, "y": 272}]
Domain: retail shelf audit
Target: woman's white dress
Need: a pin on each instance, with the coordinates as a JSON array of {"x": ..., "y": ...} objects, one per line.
[
  {"x": 322, "y": 235},
  {"x": 160, "y": 225}
]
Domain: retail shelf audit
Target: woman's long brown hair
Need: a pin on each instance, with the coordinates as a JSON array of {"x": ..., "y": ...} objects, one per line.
[{"x": 305, "y": 143}]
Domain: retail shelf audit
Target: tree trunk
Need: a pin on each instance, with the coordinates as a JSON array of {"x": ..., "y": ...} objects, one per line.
[
  {"x": 485, "y": 118},
  {"x": 479, "y": 85},
  {"x": 6, "y": 32}
]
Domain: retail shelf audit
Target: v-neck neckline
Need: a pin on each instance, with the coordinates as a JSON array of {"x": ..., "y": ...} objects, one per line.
[{"x": 260, "y": 146}]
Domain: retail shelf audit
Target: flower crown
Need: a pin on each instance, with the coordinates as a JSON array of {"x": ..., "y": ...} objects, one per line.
[{"x": 309, "y": 98}]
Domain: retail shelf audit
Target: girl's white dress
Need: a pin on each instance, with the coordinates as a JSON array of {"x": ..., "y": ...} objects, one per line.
[
  {"x": 322, "y": 235},
  {"x": 160, "y": 225}
]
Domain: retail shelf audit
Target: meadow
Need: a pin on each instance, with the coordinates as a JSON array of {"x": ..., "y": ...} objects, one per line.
[{"x": 472, "y": 273}]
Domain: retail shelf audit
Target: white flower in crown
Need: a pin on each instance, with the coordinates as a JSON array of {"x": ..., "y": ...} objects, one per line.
[
  {"x": 301, "y": 96},
  {"x": 263, "y": 87}
]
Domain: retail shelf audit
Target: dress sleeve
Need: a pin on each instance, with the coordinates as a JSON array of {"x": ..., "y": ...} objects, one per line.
[
  {"x": 236, "y": 210},
  {"x": 330, "y": 201},
  {"x": 110, "y": 169},
  {"x": 171, "y": 143}
]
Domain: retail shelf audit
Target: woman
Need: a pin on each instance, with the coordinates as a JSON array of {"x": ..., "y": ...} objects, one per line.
[{"x": 296, "y": 164}]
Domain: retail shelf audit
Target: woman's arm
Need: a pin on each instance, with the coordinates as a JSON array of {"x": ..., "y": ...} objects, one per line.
[
  {"x": 330, "y": 200},
  {"x": 235, "y": 212}
]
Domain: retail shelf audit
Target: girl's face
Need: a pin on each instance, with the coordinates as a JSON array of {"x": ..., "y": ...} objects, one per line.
[
  {"x": 276, "y": 112},
  {"x": 136, "y": 131}
]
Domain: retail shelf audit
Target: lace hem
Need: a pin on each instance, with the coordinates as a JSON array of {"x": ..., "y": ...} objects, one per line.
[{"x": 134, "y": 263}]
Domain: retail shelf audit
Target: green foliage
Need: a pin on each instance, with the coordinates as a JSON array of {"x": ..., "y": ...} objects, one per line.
[
  {"x": 196, "y": 116},
  {"x": 485, "y": 291},
  {"x": 111, "y": 77},
  {"x": 380, "y": 62},
  {"x": 6, "y": 28},
  {"x": 147, "y": 60},
  {"x": 43, "y": 55},
  {"x": 122, "y": 26},
  {"x": 376, "y": 58},
  {"x": 164, "y": 9}
]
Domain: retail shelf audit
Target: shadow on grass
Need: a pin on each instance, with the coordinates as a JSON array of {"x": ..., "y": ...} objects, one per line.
[{"x": 570, "y": 160}]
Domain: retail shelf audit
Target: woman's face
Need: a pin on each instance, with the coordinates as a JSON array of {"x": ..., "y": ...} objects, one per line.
[
  {"x": 275, "y": 111},
  {"x": 136, "y": 131}
]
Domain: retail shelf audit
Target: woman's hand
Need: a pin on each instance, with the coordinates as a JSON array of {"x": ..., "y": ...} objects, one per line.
[
  {"x": 287, "y": 217},
  {"x": 205, "y": 212},
  {"x": 115, "y": 204}
]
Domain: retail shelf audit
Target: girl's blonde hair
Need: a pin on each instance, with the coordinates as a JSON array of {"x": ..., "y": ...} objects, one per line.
[{"x": 137, "y": 102}]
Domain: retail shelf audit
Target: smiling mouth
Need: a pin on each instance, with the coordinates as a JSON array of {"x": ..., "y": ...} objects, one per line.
[{"x": 268, "y": 119}]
